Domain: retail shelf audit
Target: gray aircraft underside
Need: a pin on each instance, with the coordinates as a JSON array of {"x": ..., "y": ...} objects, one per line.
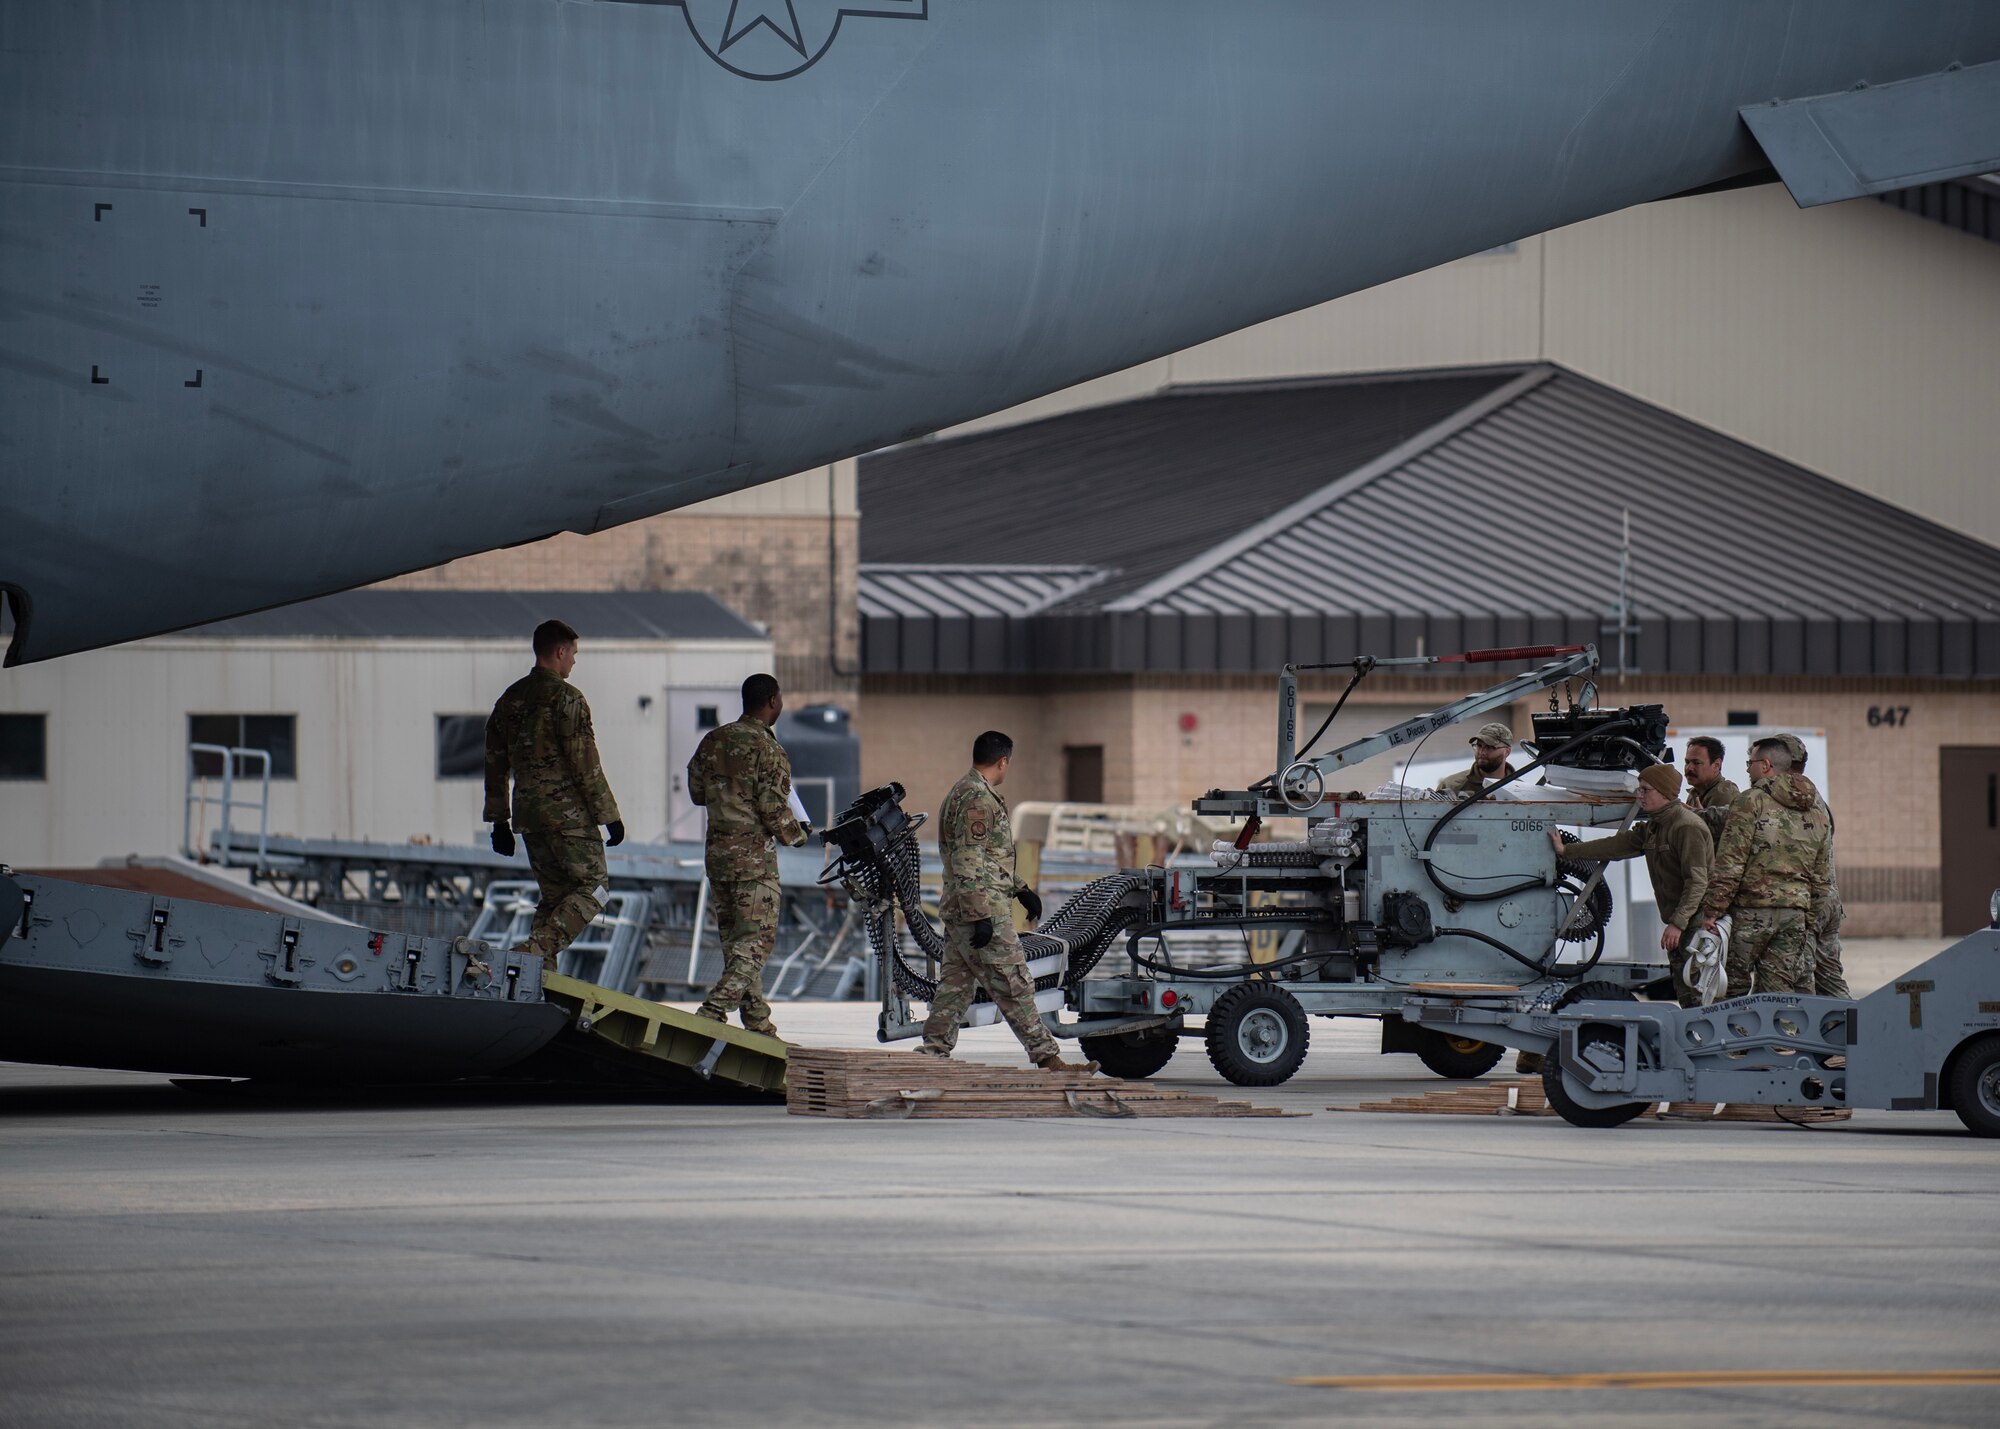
[{"x": 297, "y": 295}]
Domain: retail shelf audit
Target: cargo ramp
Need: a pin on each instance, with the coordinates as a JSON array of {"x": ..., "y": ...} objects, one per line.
[
  {"x": 633, "y": 1039},
  {"x": 164, "y": 981}
]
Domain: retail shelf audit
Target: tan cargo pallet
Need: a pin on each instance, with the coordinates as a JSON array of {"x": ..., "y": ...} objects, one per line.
[
  {"x": 909, "y": 1085},
  {"x": 1526, "y": 1098}
]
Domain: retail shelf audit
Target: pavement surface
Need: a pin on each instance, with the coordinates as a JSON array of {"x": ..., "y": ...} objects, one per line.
[{"x": 185, "y": 1258}]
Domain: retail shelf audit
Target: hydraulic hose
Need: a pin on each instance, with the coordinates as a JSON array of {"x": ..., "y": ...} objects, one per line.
[
  {"x": 1360, "y": 673},
  {"x": 1522, "y": 958},
  {"x": 1540, "y": 760}
]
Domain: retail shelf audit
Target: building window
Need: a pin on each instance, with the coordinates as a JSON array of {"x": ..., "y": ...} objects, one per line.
[
  {"x": 24, "y": 747},
  {"x": 461, "y": 746},
  {"x": 1741, "y": 719},
  {"x": 707, "y": 716},
  {"x": 274, "y": 734}
]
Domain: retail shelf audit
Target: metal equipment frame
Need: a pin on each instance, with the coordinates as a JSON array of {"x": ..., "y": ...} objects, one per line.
[{"x": 1363, "y": 960}]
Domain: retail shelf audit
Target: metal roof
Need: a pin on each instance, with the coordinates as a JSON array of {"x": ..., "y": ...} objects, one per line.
[
  {"x": 1137, "y": 488},
  {"x": 967, "y": 617},
  {"x": 1500, "y": 525},
  {"x": 889, "y": 589},
  {"x": 1969, "y": 205},
  {"x": 378, "y": 614}
]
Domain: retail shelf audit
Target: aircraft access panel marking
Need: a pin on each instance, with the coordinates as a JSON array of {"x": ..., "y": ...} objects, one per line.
[{"x": 776, "y": 39}]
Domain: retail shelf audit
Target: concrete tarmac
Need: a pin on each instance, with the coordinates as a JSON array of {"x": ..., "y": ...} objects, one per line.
[{"x": 180, "y": 1259}]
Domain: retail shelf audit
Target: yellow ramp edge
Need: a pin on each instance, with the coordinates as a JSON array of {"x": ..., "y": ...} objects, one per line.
[{"x": 653, "y": 1036}]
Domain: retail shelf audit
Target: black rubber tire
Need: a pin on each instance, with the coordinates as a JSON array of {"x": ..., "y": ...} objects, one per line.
[
  {"x": 1975, "y": 1085},
  {"x": 1132, "y": 1055},
  {"x": 1460, "y": 1058},
  {"x": 1567, "y": 1106},
  {"x": 1257, "y": 1034}
]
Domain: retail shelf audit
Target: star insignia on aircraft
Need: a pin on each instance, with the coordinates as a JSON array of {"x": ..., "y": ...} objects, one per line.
[
  {"x": 776, "y": 39},
  {"x": 747, "y": 15}
]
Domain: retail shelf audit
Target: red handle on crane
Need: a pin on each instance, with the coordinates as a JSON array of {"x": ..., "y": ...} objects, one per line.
[{"x": 1512, "y": 652}]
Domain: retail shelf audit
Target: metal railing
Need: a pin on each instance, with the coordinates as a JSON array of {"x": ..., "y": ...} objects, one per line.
[
  {"x": 196, "y": 799},
  {"x": 606, "y": 952}
]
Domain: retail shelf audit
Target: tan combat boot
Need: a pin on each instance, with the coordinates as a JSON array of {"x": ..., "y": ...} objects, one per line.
[{"x": 1054, "y": 1063}]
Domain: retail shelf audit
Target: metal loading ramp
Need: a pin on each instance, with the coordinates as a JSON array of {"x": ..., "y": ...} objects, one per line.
[
  {"x": 172, "y": 980},
  {"x": 633, "y": 1039}
]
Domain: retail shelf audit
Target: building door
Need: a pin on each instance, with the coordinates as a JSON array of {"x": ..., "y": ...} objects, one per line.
[
  {"x": 690, "y": 714},
  {"x": 1969, "y": 820},
  {"x": 1083, "y": 773}
]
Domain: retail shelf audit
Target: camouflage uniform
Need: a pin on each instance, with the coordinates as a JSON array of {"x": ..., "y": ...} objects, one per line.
[
  {"x": 978, "y": 847},
  {"x": 1470, "y": 782},
  {"x": 1829, "y": 976},
  {"x": 1823, "y": 932},
  {"x": 1713, "y": 804},
  {"x": 540, "y": 734},
  {"x": 1679, "y": 854},
  {"x": 1772, "y": 874},
  {"x": 741, "y": 775}
]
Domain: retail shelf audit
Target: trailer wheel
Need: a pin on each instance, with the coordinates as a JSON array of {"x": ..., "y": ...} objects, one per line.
[
  {"x": 1607, "y": 1043},
  {"x": 1256, "y": 1034},
  {"x": 1131, "y": 1054},
  {"x": 1456, "y": 1057},
  {"x": 1975, "y": 1086}
]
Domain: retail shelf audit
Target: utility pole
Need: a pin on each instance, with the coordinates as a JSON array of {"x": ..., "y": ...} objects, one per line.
[{"x": 1619, "y": 619}]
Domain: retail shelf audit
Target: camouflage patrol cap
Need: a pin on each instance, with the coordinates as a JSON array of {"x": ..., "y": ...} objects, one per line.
[
  {"x": 1794, "y": 746},
  {"x": 1493, "y": 733}
]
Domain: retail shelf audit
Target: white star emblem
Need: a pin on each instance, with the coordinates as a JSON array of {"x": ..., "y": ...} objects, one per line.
[{"x": 747, "y": 15}]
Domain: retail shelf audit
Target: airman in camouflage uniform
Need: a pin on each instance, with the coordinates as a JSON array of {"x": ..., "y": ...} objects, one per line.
[
  {"x": 540, "y": 735},
  {"x": 1678, "y": 853},
  {"x": 1823, "y": 936},
  {"x": 1489, "y": 761},
  {"x": 1772, "y": 875},
  {"x": 742, "y": 776},
  {"x": 1712, "y": 799},
  {"x": 977, "y": 905}
]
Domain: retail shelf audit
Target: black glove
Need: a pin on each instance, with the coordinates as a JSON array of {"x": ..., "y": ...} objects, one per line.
[
  {"x": 503, "y": 838},
  {"x": 982, "y": 932},
  {"x": 614, "y": 833},
  {"x": 1032, "y": 901}
]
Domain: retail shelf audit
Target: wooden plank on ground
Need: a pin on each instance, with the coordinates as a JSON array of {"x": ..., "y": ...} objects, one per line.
[
  {"x": 1526, "y": 1098},
  {"x": 876, "y": 1084}
]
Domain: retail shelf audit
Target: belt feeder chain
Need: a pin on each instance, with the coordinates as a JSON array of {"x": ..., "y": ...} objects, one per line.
[{"x": 878, "y": 863}]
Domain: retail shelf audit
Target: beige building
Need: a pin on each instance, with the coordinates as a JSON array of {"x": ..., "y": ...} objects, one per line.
[{"x": 371, "y": 706}]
